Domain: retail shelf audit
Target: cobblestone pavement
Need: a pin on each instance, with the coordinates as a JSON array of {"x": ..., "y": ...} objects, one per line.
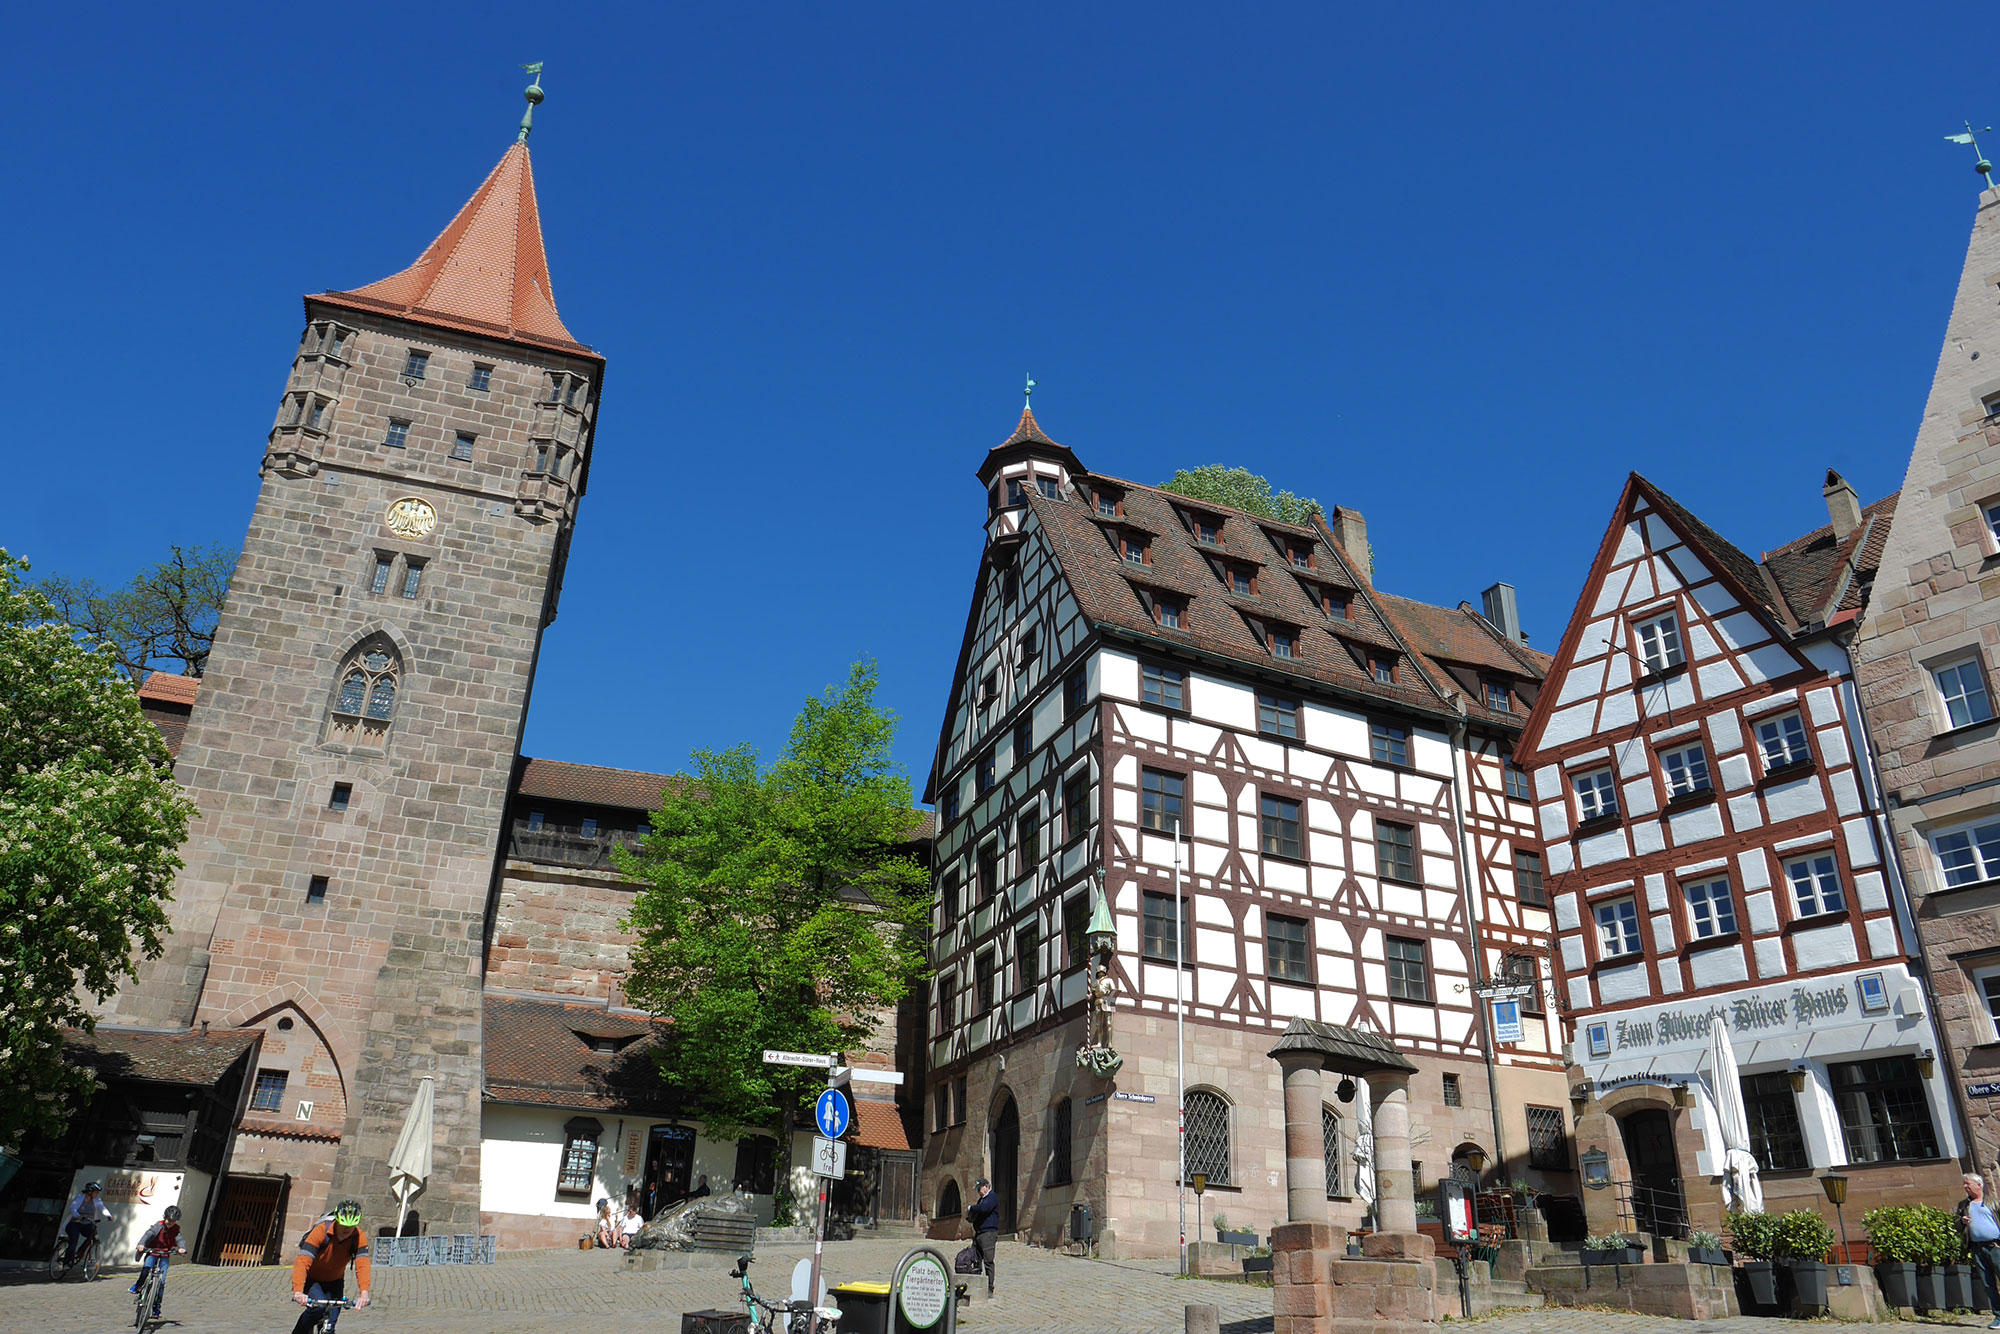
[{"x": 545, "y": 1292}]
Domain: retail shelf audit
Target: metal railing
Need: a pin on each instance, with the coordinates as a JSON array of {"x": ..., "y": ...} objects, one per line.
[
  {"x": 1659, "y": 1211},
  {"x": 559, "y": 845}
]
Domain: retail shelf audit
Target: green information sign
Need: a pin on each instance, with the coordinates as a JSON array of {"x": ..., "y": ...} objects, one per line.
[{"x": 926, "y": 1288}]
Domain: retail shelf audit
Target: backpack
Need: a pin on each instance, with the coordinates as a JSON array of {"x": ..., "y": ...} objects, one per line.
[{"x": 967, "y": 1261}]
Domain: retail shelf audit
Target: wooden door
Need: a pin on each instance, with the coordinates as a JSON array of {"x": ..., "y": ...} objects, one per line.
[{"x": 243, "y": 1231}]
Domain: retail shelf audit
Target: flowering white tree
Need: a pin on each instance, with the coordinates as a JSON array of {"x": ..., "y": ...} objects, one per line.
[{"x": 91, "y": 821}]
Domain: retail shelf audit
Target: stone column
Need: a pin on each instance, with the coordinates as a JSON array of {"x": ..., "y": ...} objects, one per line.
[
  {"x": 1305, "y": 1146},
  {"x": 1395, "y": 1196}
]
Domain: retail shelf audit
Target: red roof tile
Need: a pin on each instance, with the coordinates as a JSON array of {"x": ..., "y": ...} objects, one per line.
[
  {"x": 487, "y": 271},
  {"x": 537, "y": 1052},
  {"x": 192, "y": 1057},
  {"x": 170, "y": 689},
  {"x": 878, "y": 1126},
  {"x": 594, "y": 785}
]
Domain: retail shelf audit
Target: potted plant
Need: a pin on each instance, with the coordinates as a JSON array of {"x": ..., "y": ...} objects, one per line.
[
  {"x": 1938, "y": 1245},
  {"x": 1897, "y": 1241},
  {"x": 1755, "y": 1236},
  {"x": 1705, "y": 1248},
  {"x": 1258, "y": 1261},
  {"x": 1803, "y": 1238},
  {"x": 1612, "y": 1249},
  {"x": 1228, "y": 1237}
]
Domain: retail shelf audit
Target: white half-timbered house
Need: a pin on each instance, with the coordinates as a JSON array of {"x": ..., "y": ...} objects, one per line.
[
  {"x": 1713, "y": 831},
  {"x": 1137, "y": 665}
]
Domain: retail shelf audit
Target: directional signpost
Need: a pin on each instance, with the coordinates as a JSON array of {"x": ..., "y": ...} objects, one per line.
[{"x": 831, "y": 1116}]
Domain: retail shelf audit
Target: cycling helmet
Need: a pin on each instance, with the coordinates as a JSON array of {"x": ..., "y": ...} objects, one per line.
[
  {"x": 173, "y": 1213},
  {"x": 347, "y": 1213},
  {"x": 92, "y": 1188}
]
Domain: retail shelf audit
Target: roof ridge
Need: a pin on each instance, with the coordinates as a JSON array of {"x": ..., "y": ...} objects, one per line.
[
  {"x": 1215, "y": 505},
  {"x": 1867, "y": 512},
  {"x": 606, "y": 768}
]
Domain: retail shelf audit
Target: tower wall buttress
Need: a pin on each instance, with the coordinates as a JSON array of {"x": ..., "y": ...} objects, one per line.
[{"x": 376, "y": 557}]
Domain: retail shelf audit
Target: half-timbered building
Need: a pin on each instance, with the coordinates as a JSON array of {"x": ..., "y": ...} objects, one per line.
[
  {"x": 1148, "y": 680},
  {"x": 1713, "y": 832}
]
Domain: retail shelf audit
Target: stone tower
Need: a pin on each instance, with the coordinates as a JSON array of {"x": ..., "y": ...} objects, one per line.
[
  {"x": 355, "y": 733},
  {"x": 1927, "y": 660}
]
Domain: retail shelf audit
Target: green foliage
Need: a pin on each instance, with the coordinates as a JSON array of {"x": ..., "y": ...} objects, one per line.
[
  {"x": 90, "y": 824},
  {"x": 1921, "y": 1234},
  {"x": 1801, "y": 1234},
  {"x": 1241, "y": 489},
  {"x": 775, "y": 909},
  {"x": 1754, "y": 1236},
  {"x": 1704, "y": 1241},
  {"x": 165, "y": 618}
]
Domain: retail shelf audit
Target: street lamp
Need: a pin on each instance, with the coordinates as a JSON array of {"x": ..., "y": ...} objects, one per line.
[
  {"x": 1835, "y": 1186},
  {"x": 1199, "y": 1180},
  {"x": 1475, "y": 1158},
  {"x": 1579, "y": 1098}
]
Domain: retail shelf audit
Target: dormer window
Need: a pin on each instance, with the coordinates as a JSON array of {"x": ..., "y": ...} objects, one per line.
[
  {"x": 1050, "y": 488},
  {"x": 1333, "y": 603},
  {"x": 1170, "y": 612},
  {"x": 1284, "y": 641},
  {"x": 1382, "y": 667},
  {"x": 1659, "y": 642},
  {"x": 1207, "y": 531},
  {"x": 1498, "y": 697},
  {"x": 1240, "y": 579},
  {"x": 1134, "y": 548},
  {"x": 1300, "y": 555},
  {"x": 1110, "y": 504}
]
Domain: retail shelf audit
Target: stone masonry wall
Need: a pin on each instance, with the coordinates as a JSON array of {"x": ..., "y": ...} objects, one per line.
[
  {"x": 556, "y": 933},
  {"x": 388, "y": 966}
]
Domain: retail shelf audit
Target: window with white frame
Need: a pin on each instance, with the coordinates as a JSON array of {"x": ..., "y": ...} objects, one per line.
[
  {"x": 1686, "y": 770},
  {"x": 1986, "y": 987},
  {"x": 1659, "y": 642},
  {"x": 1992, "y": 513},
  {"x": 1815, "y": 883},
  {"x": 1516, "y": 780},
  {"x": 1961, "y": 685},
  {"x": 1618, "y": 928},
  {"x": 1711, "y": 908},
  {"x": 1596, "y": 794},
  {"x": 1969, "y": 853},
  {"x": 1782, "y": 741}
]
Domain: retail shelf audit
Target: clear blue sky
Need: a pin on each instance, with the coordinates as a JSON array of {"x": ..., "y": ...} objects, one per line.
[{"x": 1459, "y": 267}]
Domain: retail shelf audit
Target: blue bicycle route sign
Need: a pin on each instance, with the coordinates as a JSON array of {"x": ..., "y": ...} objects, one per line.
[{"x": 830, "y": 1114}]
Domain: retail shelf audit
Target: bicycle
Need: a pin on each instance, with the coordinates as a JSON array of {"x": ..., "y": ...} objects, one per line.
[
  {"x": 331, "y": 1307},
  {"x": 799, "y": 1312},
  {"x": 85, "y": 1258},
  {"x": 152, "y": 1291}
]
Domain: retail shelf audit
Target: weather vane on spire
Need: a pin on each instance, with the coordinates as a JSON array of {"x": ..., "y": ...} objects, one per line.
[
  {"x": 1028, "y": 395},
  {"x": 534, "y": 96},
  {"x": 1982, "y": 166}
]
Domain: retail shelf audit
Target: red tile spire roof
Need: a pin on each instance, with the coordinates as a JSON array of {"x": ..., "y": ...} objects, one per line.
[{"x": 485, "y": 273}]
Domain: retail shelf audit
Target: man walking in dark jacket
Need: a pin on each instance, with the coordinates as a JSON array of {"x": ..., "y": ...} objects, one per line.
[{"x": 985, "y": 1218}]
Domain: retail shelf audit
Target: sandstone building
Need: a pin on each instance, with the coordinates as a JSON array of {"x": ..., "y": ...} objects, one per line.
[
  {"x": 1358, "y": 849},
  {"x": 1925, "y": 663}
]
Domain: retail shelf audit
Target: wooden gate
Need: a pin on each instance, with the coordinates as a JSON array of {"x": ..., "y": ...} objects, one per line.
[
  {"x": 244, "y": 1229},
  {"x": 898, "y": 1200}
]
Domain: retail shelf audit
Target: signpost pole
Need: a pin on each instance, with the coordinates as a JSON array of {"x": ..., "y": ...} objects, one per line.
[
  {"x": 819, "y": 1245},
  {"x": 1180, "y": 1038}
]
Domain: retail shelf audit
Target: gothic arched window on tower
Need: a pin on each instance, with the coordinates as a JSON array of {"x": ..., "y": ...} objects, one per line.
[{"x": 365, "y": 703}]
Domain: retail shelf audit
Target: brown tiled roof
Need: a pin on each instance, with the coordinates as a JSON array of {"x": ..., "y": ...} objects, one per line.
[
  {"x": 1813, "y": 572},
  {"x": 878, "y": 1126},
  {"x": 593, "y": 784},
  {"x": 534, "y": 1055},
  {"x": 1719, "y": 552},
  {"x": 167, "y": 689},
  {"x": 191, "y": 1057},
  {"x": 1107, "y": 590},
  {"x": 487, "y": 271}
]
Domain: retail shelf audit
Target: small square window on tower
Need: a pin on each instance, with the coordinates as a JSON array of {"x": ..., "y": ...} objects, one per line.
[
  {"x": 1452, "y": 1096},
  {"x": 413, "y": 576},
  {"x": 416, "y": 364},
  {"x": 399, "y": 434},
  {"x": 482, "y": 379},
  {"x": 379, "y": 584},
  {"x": 343, "y": 793},
  {"x": 316, "y": 889},
  {"x": 461, "y": 448}
]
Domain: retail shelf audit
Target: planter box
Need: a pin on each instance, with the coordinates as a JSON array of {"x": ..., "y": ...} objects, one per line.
[
  {"x": 1762, "y": 1281},
  {"x": 1958, "y": 1288},
  {"x": 1898, "y": 1281},
  {"x": 1930, "y": 1288},
  {"x": 1257, "y": 1264},
  {"x": 1808, "y": 1282},
  {"x": 1622, "y": 1255},
  {"x": 1235, "y": 1238},
  {"x": 1705, "y": 1255}
]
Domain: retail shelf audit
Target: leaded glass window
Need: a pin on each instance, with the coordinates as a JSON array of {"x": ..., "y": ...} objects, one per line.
[
  {"x": 1329, "y": 1137},
  {"x": 1208, "y": 1137},
  {"x": 353, "y": 691},
  {"x": 367, "y": 696}
]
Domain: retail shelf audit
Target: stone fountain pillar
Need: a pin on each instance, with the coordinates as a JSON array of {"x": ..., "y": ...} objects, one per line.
[
  {"x": 1395, "y": 1192},
  {"x": 1305, "y": 1147}
]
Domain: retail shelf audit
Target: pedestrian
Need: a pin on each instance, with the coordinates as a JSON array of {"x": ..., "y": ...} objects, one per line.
[
  {"x": 607, "y": 1225},
  {"x": 629, "y": 1229},
  {"x": 700, "y": 1191},
  {"x": 984, "y": 1215},
  {"x": 1979, "y": 1225}
]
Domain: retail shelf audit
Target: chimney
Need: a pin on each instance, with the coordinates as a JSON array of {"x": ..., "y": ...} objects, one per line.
[
  {"x": 1351, "y": 531},
  {"x": 1843, "y": 506},
  {"x": 1503, "y": 611}
]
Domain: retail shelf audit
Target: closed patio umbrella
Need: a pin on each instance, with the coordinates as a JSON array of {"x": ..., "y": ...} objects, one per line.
[
  {"x": 410, "y": 1164},
  {"x": 1741, "y": 1186}
]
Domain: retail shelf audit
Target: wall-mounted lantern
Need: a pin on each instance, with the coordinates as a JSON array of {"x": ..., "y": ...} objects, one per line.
[{"x": 1926, "y": 1064}]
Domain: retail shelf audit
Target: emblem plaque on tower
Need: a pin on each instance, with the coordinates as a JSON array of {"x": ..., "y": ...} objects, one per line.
[{"x": 411, "y": 517}]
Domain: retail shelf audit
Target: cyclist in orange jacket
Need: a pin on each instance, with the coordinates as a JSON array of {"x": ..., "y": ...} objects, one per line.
[{"x": 319, "y": 1271}]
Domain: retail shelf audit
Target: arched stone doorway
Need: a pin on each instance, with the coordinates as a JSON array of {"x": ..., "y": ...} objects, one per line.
[
  {"x": 1658, "y": 1206},
  {"x": 1006, "y": 1157}
]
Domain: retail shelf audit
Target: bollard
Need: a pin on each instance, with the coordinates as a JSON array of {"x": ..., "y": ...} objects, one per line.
[{"x": 1204, "y": 1319}]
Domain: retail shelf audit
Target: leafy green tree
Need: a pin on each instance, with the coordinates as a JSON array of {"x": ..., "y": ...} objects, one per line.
[
  {"x": 90, "y": 826},
  {"x": 777, "y": 907},
  {"x": 1241, "y": 489},
  {"x": 163, "y": 620}
]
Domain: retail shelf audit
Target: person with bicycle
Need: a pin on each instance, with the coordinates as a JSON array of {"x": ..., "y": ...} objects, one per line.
[
  {"x": 319, "y": 1270},
  {"x": 85, "y": 1212},
  {"x": 162, "y": 1239}
]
